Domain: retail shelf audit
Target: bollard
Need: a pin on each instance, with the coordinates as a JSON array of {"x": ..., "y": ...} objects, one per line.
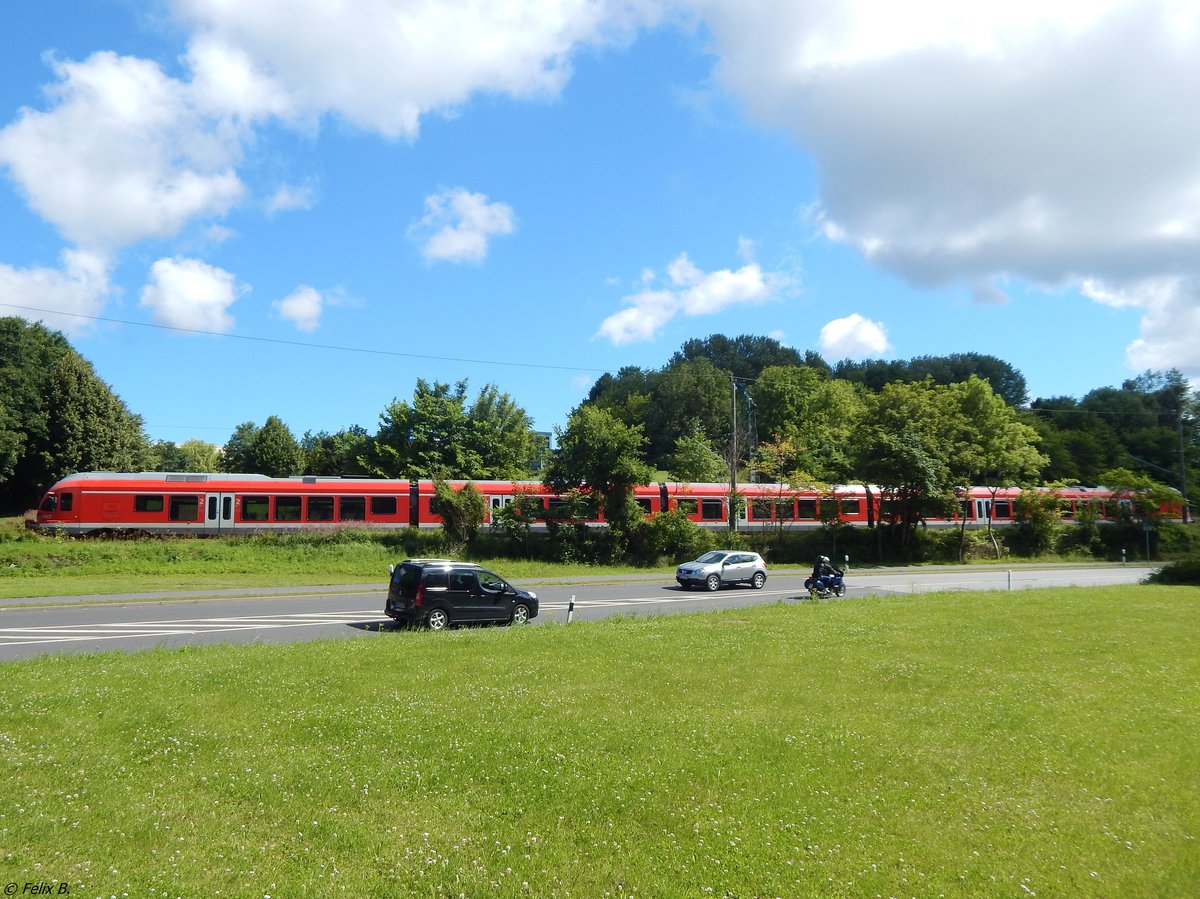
[
  {"x": 847, "y": 568},
  {"x": 1122, "y": 556},
  {"x": 571, "y": 609},
  {"x": 1010, "y": 579}
]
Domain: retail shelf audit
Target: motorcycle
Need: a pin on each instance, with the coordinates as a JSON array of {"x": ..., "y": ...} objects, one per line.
[{"x": 826, "y": 586}]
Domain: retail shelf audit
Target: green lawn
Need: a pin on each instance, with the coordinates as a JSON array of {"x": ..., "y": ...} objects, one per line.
[
  {"x": 1041, "y": 742},
  {"x": 36, "y": 565}
]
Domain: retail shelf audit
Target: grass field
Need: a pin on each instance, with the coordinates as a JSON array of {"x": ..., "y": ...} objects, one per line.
[
  {"x": 1000, "y": 744},
  {"x": 37, "y": 565}
]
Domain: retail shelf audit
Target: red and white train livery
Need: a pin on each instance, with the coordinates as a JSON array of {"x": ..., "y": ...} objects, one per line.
[{"x": 212, "y": 504}]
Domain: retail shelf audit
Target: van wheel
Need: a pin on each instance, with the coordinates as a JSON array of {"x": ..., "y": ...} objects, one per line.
[
  {"x": 438, "y": 620},
  {"x": 520, "y": 613},
  {"x": 758, "y": 580},
  {"x": 713, "y": 582}
]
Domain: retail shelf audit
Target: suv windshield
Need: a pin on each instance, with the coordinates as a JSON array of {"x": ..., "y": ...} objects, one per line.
[{"x": 713, "y": 556}]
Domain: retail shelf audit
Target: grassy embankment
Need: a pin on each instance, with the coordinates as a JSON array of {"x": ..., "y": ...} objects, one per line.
[
  {"x": 40, "y": 565},
  {"x": 1041, "y": 743}
]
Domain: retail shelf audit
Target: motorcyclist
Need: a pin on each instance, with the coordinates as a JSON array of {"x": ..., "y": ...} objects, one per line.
[{"x": 823, "y": 568}]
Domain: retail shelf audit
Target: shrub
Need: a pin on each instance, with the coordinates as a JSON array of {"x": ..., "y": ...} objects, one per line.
[{"x": 1185, "y": 572}]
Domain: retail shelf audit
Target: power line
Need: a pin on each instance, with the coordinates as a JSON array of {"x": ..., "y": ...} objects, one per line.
[{"x": 314, "y": 346}]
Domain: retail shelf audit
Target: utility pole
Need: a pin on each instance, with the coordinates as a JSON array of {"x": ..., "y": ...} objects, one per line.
[
  {"x": 1182, "y": 465},
  {"x": 733, "y": 455}
]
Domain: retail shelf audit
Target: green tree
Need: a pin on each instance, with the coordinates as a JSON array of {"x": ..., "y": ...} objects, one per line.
[
  {"x": 57, "y": 416},
  {"x": 905, "y": 445},
  {"x": 237, "y": 456},
  {"x": 274, "y": 450},
  {"x": 502, "y": 436},
  {"x": 191, "y": 455},
  {"x": 462, "y": 510},
  {"x": 438, "y": 435},
  {"x": 601, "y": 455},
  {"x": 745, "y": 356},
  {"x": 1038, "y": 514},
  {"x": 11, "y": 442},
  {"x": 816, "y": 416},
  {"x": 993, "y": 449},
  {"x": 875, "y": 374},
  {"x": 337, "y": 455},
  {"x": 695, "y": 461},
  {"x": 89, "y": 428},
  {"x": 626, "y": 395},
  {"x": 687, "y": 397}
]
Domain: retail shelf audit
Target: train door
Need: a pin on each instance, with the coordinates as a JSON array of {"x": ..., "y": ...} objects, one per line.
[
  {"x": 983, "y": 509},
  {"x": 218, "y": 512}
]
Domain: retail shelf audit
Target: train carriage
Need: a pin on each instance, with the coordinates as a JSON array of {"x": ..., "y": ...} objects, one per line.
[{"x": 213, "y": 504}]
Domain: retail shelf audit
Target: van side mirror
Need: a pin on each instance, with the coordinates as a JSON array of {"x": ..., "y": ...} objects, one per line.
[{"x": 391, "y": 568}]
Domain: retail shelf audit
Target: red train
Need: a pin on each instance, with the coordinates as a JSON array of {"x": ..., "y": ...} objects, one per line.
[{"x": 210, "y": 504}]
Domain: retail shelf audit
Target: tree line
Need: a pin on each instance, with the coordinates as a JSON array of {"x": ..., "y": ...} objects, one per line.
[{"x": 744, "y": 406}]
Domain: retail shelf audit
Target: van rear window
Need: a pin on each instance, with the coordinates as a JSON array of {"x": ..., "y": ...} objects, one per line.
[{"x": 407, "y": 577}]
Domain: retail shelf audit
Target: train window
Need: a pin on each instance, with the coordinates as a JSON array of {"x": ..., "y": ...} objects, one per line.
[
  {"x": 50, "y": 503},
  {"x": 352, "y": 508},
  {"x": 320, "y": 508},
  {"x": 1067, "y": 510},
  {"x": 531, "y": 507},
  {"x": 383, "y": 505},
  {"x": 644, "y": 502},
  {"x": 65, "y": 502},
  {"x": 712, "y": 509},
  {"x": 808, "y": 509},
  {"x": 1002, "y": 509},
  {"x": 287, "y": 508},
  {"x": 851, "y": 507},
  {"x": 785, "y": 510},
  {"x": 144, "y": 503},
  {"x": 256, "y": 508},
  {"x": 761, "y": 509},
  {"x": 184, "y": 508},
  {"x": 686, "y": 506}
]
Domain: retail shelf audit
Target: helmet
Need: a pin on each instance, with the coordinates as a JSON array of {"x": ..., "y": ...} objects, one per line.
[{"x": 822, "y": 558}]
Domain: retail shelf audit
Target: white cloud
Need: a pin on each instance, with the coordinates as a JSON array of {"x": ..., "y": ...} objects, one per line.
[
  {"x": 302, "y": 308},
  {"x": 289, "y": 197},
  {"x": 968, "y": 143},
  {"x": 79, "y": 288},
  {"x": 1170, "y": 324},
  {"x": 462, "y": 223},
  {"x": 124, "y": 154},
  {"x": 388, "y": 63},
  {"x": 853, "y": 337},
  {"x": 190, "y": 294},
  {"x": 692, "y": 292}
]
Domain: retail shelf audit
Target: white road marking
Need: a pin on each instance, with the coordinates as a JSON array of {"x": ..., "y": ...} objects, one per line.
[{"x": 171, "y": 627}]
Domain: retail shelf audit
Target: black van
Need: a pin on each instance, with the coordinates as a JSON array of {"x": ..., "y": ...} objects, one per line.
[{"x": 440, "y": 592}]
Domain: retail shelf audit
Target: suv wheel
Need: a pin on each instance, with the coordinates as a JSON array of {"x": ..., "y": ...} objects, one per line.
[
  {"x": 713, "y": 582},
  {"x": 758, "y": 580},
  {"x": 437, "y": 620},
  {"x": 520, "y": 613}
]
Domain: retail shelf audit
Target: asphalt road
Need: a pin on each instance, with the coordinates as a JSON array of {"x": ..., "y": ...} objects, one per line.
[{"x": 37, "y": 626}]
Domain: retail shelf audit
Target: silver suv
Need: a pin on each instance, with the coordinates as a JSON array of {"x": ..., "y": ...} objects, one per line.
[{"x": 723, "y": 566}]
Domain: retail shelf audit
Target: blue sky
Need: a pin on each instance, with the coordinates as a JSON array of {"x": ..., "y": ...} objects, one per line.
[{"x": 299, "y": 207}]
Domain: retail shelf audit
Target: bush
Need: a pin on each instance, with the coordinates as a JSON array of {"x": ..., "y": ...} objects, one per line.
[
  {"x": 673, "y": 536},
  {"x": 1184, "y": 572}
]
